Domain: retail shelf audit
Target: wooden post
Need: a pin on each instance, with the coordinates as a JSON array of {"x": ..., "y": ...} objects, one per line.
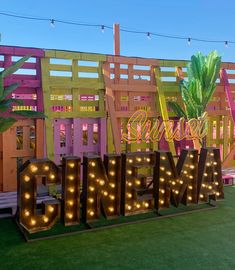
[{"x": 116, "y": 36}]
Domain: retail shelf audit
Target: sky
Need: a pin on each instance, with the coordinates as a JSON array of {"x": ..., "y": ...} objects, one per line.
[{"x": 205, "y": 19}]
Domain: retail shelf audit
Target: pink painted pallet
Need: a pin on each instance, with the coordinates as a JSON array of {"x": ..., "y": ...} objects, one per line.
[{"x": 28, "y": 76}]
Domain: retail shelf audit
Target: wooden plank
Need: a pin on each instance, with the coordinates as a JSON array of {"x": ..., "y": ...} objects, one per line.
[
  {"x": 111, "y": 109},
  {"x": 133, "y": 88},
  {"x": 59, "y": 67},
  {"x": 163, "y": 107}
]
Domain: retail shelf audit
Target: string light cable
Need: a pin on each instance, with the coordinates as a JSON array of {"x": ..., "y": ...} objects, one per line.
[{"x": 148, "y": 34}]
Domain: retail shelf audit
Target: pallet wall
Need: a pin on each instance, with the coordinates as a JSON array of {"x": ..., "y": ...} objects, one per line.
[
  {"x": 73, "y": 90},
  {"x": 25, "y": 139},
  {"x": 88, "y": 99}
]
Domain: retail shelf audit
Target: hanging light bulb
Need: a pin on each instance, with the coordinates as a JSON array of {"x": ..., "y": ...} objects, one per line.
[
  {"x": 52, "y": 23},
  {"x": 226, "y": 44},
  {"x": 189, "y": 41},
  {"x": 148, "y": 35},
  {"x": 102, "y": 28}
]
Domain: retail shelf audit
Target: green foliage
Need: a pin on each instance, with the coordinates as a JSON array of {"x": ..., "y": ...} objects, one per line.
[
  {"x": 5, "y": 102},
  {"x": 197, "y": 92},
  {"x": 6, "y": 123},
  {"x": 177, "y": 109}
]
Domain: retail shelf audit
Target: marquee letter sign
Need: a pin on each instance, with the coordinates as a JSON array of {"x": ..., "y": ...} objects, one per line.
[
  {"x": 101, "y": 187},
  {"x": 31, "y": 172},
  {"x": 126, "y": 184},
  {"x": 71, "y": 190}
]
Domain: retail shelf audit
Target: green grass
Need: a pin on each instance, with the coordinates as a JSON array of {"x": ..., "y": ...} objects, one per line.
[{"x": 204, "y": 240}]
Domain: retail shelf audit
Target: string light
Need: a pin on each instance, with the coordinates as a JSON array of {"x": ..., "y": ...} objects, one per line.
[
  {"x": 123, "y": 29},
  {"x": 52, "y": 23}
]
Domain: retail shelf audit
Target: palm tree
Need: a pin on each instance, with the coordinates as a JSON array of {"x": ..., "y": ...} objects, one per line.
[
  {"x": 196, "y": 93},
  {"x": 5, "y": 102}
]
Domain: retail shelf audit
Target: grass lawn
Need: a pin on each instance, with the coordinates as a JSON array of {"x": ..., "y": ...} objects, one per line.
[{"x": 204, "y": 240}]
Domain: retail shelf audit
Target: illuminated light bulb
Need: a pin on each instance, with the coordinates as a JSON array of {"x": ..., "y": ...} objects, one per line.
[
  {"x": 215, "y": 173},
  {"x": 181, "y": 182},
  {"x": 102, "y": 182},
  {"x": 176, "y": 191},
  {"x": 91, "y": 200},
  {"x": 91, "y": 188},
  {"x": 130, "y": 160},
  {"x": 148, "y": 159},
  {"x": 112, "y": 173},
  {"x": 129, "y": 207},
  {"x": 138, "y": 159},
  {"x": 93, "y": 164},
  {"x": 46, "y": 168},
  {"x": 190, "y": 176},
  {"x": 138, "y": 182},
  {"x": 113, "y": 162},
  {"x": 112, "y": 197},
  {"x": 129, "y": 171},
  {"x": 71, "y": 165},
  {"x": 191, "y": 166},
  {"x": 216, "y": 183},
  {"x": 51, "y": 209},
  {"x": 138, "y": 205},
  {"x": 201, "y": 196},
  {"x": 71, "y": 190},
  {"x": 33, "y": 168},
  {"x": 26, "y": 178},
  {"x": 33, "y": 221},
  {"x": 169, "y": 173},
  {"x": 205, "y": 174},
  {"x": 173, "y": 183},
  {"x": 71, "y": 177},
  {"x": 70, "y": 202},
  {"x": 190, "y": 187},
  {"x": 191, "y": 156},
  {"x": 105, "y": 193},
  {"x": 162, "y": 191},
  {"x": 162, "y": 179},
  {"x": 146, "y": 204},
  {"x": 70, "y": 215},
  {"x": 161, "y": 202},
  {"x": 129, "y": 184},
  {"x": 211, "y": 154},
  {"x": 210, "y": 187},
  {"x": 111, "y": 209},
  {"x": 92, "y": 175},
  {"x": 162, "y": 168},
  {"x": 190, "y": 198},
  {"x": 215, "y": 163},
  {"x": 45, "y": 219},
  {"x": 52, "y": 176},
  {"x": 91, "y": 213},
  {"x": 185, "y": 172},
  {"x": 26, "y": 213},
  {"x": 112, "y": 185},
  {"x": 27, "y": 196},
  {"x": 208, "y": 164},
  {"x": 163, "y": 158},
  {"x": 217, "y": 193},
  {"x": 129, "y": 195}
]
